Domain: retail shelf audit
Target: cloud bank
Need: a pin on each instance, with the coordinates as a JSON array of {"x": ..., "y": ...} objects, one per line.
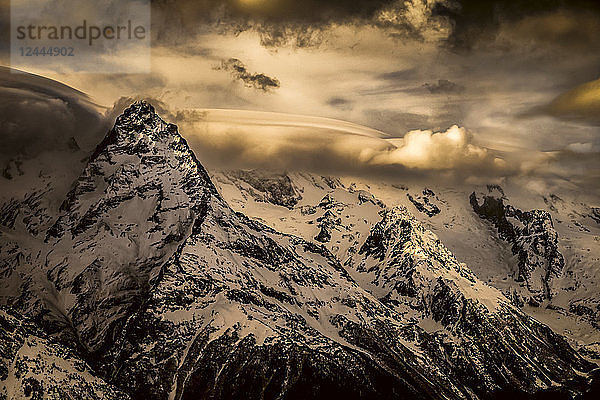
[
  {"x": 243, "y": 139},
  {"x": 38, "y": 114}
]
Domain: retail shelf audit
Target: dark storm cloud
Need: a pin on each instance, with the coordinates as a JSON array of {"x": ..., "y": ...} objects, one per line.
[
  {"x": 404, "y": 74},
  {"x": 340, "y": 102},
  {"x": 287, "y": 22},
  {"x": 280, "y": 22},
  {"x": 444, "y": 86},
  {"x": 476, "y": 20},
  {"x": 38, "y": 114},
  {"x": 295, "y": 34},
  {"x": 308, "y": 11},
  {"x": 239, "y": 71},
  {"x": 4, "y": 26},
  {"x": 301, "y": 23}
]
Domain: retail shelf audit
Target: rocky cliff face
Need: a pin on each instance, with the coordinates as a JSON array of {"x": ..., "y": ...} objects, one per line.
[
  {"x": 170, "y": 294},
  {"x": 274, "y": 188},
  {"x": 425, "y": 202},
  {"x": 34, "y": 366},
  {"x": 533, "y": 239}
]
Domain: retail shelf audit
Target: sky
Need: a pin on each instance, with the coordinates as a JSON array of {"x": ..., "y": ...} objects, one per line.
[{"x": 460, "y": 91}]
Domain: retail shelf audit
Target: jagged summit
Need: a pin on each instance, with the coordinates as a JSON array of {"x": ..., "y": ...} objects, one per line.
[
  {"x": 141, "y": 117},
  {"x": 137, "y": 107},
  {"x": 143, "y": 131}
]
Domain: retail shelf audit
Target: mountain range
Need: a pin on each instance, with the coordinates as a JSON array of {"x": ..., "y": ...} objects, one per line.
[{"x": 146, "y": 276}]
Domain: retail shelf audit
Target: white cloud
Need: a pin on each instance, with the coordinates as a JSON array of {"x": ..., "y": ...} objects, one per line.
[
  {"x": 451, "y": 149},
  {"x": 581, "y": 148}
]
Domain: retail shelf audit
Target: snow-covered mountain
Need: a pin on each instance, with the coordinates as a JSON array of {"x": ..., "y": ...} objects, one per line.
[
  {"x": 541, "y": 251},
  {"x": 145, "y": 272}
]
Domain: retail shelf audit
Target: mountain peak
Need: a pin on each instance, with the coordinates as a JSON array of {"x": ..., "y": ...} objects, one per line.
[
  {"x": 141, "y": 114},
  {"x": 140, "y": 195},
  {"x": 140, "y": 106},
  {"x": 141, "y": 148},
  {"x": 409, "y": 260},
  {"x": 140, "y": 131},
  {"x": 141, "y": 118}
]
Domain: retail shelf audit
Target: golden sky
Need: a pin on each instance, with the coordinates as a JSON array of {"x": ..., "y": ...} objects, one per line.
[{"x": 516, "y": 86}]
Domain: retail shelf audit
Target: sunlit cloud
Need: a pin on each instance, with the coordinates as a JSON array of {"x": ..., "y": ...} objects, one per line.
[
  {"x": 580, "y": 102},
  {"x": 452, "y": 149}
]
